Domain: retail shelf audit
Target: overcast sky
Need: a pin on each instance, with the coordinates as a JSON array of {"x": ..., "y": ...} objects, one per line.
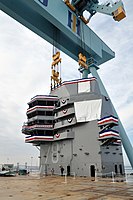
[{"x": 25, "y": 61}]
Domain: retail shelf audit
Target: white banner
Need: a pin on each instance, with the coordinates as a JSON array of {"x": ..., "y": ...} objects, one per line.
[
  {"x": 88, "y": 110},
  {"x": 84, "y": 87}
]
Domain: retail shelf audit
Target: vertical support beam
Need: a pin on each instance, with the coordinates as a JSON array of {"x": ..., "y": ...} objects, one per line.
[
  {"x": 85, "y": 73},
  {"x": 124, "y": 138}
]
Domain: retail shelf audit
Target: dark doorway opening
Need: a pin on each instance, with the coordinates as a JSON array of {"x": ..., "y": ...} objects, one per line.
[
  {"x": 116, "y": 169},
  {"x": 120, "y": 167},
  {"x": 68, "y": 170},
  {"x": 92, "y": 170}
]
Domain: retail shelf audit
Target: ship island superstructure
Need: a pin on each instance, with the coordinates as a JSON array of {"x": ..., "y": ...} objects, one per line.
[{"x": 75, "y": 127}]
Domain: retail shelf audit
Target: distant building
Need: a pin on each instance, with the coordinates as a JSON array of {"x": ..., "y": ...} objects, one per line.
[{"x": 75, "y": 127}]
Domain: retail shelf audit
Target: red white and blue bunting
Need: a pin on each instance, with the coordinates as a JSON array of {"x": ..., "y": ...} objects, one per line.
[
  {"x": 57, "y": 135},
  {"x": 63, "y": 101},
  {"x": 64, "y": 111},
  {"x": 70, "y": 120},
  {"x": 107, "y": 119},
  {"x": 37, "y": 127},
  {"x": 108, "y": 134},
  {"x": 43, "y": 97},
  {"x": 38, "y": 138},
  {"x": 117, "y": 142},
  {"x": 40, "y": 108},
  {"x": 78, "y": 81}
]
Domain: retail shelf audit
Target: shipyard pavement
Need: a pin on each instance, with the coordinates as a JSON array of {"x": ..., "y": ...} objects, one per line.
[{"x": 59, "y": 188}]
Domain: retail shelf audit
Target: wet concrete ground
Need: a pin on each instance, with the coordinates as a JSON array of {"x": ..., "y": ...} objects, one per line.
[{"x": 55, "y": 188}]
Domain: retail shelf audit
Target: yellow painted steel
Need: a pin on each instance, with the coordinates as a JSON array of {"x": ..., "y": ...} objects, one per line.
[
  {"x": 74, "y": 23},
  {"x": 55, "y": 74},
  {"x": 56, "y": 62},
  {"x": 55, "y": 77},
  {"x": 83, "y": 64},
  {"x": 119, "y": 14},
  {"x": 56, "y": 56},
  {"x": 86, "y": 21},
  {"x": 82, "y": 57},
  {"x": 82, "y": 61},
  {"x": 67, "y": 2}
]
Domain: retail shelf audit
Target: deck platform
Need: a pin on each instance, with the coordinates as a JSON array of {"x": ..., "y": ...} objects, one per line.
[{"x": 54, "y": 188}]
